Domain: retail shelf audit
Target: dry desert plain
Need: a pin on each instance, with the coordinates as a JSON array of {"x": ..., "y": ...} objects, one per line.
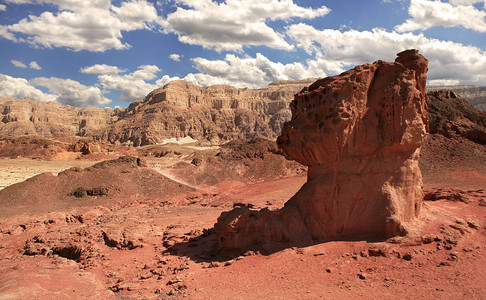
[{"x": 146, "y": 246}]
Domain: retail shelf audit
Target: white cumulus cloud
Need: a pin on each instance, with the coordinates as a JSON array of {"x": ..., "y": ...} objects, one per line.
[
  {"x": 3, "y": 7},
  {"x": 134, "y": 85},
  {"x": 444, "y": 82},
  {"x": 250, "y": 72},
  {"x": 67, "y": 4},
  {"x": 429, "y": 13},
  {"x": 93, "y": 25},
  {"x": 175, "y": 57},
  {"x": 232, "y": 24},
  {"x": 34, "y": 65},
  {"x": 71, "y": 92},
  {"x": 164, "y": 80},
  {"x": 145, "y": 72},
  {"x": 101, "y": 69},
  {"x": 20, "y": 88},
  {"x": 18, "y": 63},
  {"x": 447, "y": 60},
  {"x": 466, "y": 2}
]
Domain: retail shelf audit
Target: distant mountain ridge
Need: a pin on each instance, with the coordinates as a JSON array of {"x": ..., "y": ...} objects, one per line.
[
  {"x": 450, "y": 115},
  {"x": 475, "y": 95},
  {"x": 33, "y": 117},
  {"x": 215, "y": 114}
]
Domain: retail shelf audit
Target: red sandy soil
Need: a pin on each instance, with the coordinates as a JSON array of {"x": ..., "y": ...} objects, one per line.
[{"x": 162, "y": 247}]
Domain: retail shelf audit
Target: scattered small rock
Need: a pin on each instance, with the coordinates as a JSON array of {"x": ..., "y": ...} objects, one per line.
[
  {"x": 428, "y": 239},
  {"x": 299, "y": 251},
  {"x": 123, "y": 286},
  {"x": 364, "y": 253},
  {"x": 376, "y": 252},
  {"x": 251, "y": 253},
  {"x": 197, "y": 161},
  {"x": 174, "y": 280},
  {"x": 398, "y": 254},
  {"x": 472, "y": 224},
  {"x": 408, "y": 256},
  {"x": 452, "y": 256},
  {"x": 146, "y": 275}
]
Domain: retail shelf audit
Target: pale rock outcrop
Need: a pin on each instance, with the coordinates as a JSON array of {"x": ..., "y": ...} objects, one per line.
[
  {"x": 452, "y": 116},
  {"x": 474, "y": 95},
  {"x": 360, "y": 135},
  {"x": 216, "y": 113},
  {"x": 32, "y": 117}
]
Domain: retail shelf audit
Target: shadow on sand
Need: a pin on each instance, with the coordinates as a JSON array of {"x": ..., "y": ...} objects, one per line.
[{"x": 205, "y": 248}]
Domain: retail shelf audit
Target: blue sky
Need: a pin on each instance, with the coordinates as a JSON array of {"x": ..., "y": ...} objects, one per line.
[{"x": 109, "y": 53}]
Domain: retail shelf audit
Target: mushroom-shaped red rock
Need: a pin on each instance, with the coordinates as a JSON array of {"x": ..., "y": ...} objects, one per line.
[{"x": 360, "y": 134}]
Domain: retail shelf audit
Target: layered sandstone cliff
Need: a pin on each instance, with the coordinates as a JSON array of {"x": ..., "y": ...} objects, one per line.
[
  {"x": 360, "y": 135},
  {"x": 32, "y": 117},
  {"x": 474, "y": 95},
  {"x": 450, "y": 115},
  {"x": 215, "y": 113}
]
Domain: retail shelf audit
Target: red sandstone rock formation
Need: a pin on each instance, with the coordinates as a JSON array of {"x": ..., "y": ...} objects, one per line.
[{"x": 360, "y": 135}]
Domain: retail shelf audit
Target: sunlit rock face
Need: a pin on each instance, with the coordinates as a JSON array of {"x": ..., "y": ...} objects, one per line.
[{"x": 360, "y": 135}]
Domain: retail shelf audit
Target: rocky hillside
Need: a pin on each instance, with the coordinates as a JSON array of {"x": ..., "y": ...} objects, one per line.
[
  {"x": 450, "y": 116},
  {"x": 32, "y": 117},
  {"x": 475, "y": 95},
  {"x": 215, "y": 113}
]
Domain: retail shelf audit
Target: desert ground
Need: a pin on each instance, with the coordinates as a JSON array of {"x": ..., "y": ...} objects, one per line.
[{"x": 138, "y": 245}]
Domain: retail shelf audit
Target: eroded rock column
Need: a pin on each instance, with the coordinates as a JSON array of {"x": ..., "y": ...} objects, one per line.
[{"x": 360, "y": 135}]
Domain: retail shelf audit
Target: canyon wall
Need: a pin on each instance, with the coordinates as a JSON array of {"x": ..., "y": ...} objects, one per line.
[
  {"x": 216, "y": 114},
  {"x": 32, "y": 117},
  {"x": 475, "y": 95}
]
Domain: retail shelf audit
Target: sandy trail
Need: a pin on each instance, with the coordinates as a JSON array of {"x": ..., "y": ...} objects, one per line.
[{"x": 173, "y": 178}]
